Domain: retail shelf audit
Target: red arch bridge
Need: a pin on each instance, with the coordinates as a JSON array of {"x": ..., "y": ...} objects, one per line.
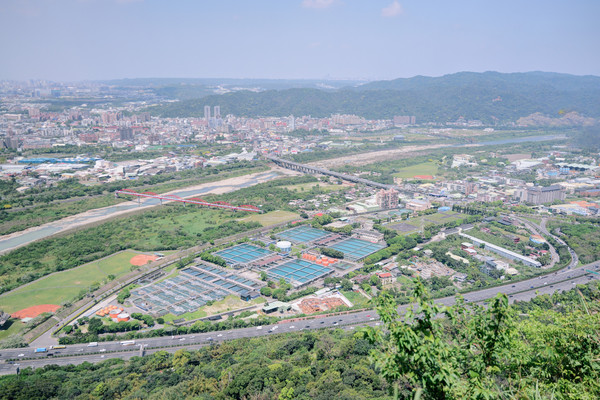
[{"x": 194, "y": 200}]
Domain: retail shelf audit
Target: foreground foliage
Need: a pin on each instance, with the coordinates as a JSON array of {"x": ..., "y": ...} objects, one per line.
[
  {"x": 553, "y": 351},
  {"x": 490, "y": 353}
]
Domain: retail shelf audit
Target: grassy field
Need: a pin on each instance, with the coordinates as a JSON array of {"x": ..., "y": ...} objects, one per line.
[
  {"x": 446, "y": 216},
  {"x": 304, "y": 187},
  {"x": 356, "y": 298},
  {"x": 417, "y": 222},
  {"x": 40, "y": 214},
  {"x": 63, "y": 286},
  {"x": 187, "y": 316},
  {"x": 426, "y": 168},
  {"x": 272, "y": 218},
  {"x": 191, "y": 223},
  {"x": 229, "y": 303},
  {"x": 11, "y": 327}
]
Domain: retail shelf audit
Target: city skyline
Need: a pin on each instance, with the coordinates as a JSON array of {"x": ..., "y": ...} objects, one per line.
[{"x": 301, "y": 39}]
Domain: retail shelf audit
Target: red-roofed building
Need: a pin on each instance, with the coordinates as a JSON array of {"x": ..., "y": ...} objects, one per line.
[
  {"x": 424, "y": 177},
  {"x": 386, "y": 278}
]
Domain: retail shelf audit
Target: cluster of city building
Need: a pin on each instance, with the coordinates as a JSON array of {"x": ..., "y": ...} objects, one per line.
[
  {"x": 576, "y": 178},
  {"x": 27, "y": 124},
  {"x": 34, "y": 172}
]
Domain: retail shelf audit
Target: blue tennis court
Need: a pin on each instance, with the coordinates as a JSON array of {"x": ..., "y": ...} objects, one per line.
[
  {"x": 298, "y": 272},
  {"x": 243, "y": 254},
  {"x": 356, "y": 249},
  {"x": 303, "y": 234}
]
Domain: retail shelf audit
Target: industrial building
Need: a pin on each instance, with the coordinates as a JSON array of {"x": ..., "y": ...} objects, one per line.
[
  {"x": 511, "y": 255},
  {"x": 540, "y": 195}
]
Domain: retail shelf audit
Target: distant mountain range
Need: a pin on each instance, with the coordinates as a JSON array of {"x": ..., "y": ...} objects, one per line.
[
  {"x": 194, "y": 88},
  {"x": 490, "y": 97}
]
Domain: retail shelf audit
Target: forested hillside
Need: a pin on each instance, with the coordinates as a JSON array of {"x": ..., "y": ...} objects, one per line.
[
  {"x": 489, "y": 97},
  {"x": 545, "y": 349}
]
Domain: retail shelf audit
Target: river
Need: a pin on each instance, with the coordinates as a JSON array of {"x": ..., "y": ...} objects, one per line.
[{"x": 27, "y": 236}]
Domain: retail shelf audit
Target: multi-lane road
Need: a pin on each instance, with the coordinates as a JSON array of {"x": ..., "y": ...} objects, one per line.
[{"x": 11, "y": 359}]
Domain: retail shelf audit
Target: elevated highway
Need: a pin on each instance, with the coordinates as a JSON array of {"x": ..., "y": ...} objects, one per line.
[{"x": 308, "y": 169}]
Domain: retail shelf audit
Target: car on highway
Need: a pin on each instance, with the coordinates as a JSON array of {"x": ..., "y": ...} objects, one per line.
[
  {"x": 259, "y": 327},
  {"x": 21, "y": 355},
  {"x": 102, "y": 350},
  {"x": 219, "y": 335}
]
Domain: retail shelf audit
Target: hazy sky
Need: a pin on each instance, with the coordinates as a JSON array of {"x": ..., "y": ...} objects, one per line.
[{"x": 372, "y": 39}]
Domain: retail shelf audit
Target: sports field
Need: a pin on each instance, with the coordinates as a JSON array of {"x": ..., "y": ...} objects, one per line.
[
  {"x": 63, "y": 286},
  {"x": 272, "y": 218},
  {"x": 426, "y": 168}
]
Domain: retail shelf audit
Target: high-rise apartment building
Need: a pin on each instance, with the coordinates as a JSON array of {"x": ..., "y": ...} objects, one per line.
[
  {"x": 207, "y": 113},
  {"x": 217, "y": 113},
  {"x": 387, "y": 198},
  {"x": 125, "y": 133},
  {"x": 405, "y": 120}
]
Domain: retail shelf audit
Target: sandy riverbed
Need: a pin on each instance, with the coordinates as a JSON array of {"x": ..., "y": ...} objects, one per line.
[
  {"x": 374, "y": 156},
  {"x": 97, "y": 214}
]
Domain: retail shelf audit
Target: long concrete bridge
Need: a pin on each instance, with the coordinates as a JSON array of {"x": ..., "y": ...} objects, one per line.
[{"x": 307, "y": 169}]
